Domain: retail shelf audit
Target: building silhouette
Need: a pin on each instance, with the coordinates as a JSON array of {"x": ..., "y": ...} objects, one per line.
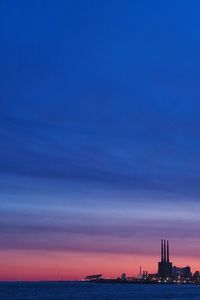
[
  {"x": 164, "y": 266},
  {"x": 183, "y": 272}
]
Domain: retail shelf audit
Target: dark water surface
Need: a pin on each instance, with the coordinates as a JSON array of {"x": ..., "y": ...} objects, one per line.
[{"x": 88, "y": 291}]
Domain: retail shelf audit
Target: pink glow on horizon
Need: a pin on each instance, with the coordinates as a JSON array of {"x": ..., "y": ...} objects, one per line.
[{"x": 46, "y": 265}]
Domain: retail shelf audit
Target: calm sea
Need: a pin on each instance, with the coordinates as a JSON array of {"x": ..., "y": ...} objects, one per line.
[{"x": 92, "y": 291}]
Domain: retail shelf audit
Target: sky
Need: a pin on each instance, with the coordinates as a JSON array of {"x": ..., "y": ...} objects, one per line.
[{"x": 99, "y": 136}]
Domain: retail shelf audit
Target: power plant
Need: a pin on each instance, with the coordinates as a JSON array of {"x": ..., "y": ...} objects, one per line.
[
  {"x": 165, "y": 266},
  {"x": 166, "y": 273}
]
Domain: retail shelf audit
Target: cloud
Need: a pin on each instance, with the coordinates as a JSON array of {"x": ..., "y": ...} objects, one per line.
[
  {"x": 97, "y": 104},
  {"x": 50, "y": 152},
  {"x": 95, "y": 232}
]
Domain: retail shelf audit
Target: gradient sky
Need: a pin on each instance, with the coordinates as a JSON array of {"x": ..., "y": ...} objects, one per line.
[{"x": 99, "y": 136}]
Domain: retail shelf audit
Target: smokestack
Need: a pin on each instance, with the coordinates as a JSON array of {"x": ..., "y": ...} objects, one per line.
[
  {"x": 162, "y": 250},
  {"x": 167, "y": 251}
]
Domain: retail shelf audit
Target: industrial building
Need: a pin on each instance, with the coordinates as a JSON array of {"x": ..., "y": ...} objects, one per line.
[
  {"x": 166, "y": 273},
  {"x": 165, "y": 266}
]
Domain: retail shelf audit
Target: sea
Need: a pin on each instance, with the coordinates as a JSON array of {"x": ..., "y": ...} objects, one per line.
[{"x": 96, "y": 291}]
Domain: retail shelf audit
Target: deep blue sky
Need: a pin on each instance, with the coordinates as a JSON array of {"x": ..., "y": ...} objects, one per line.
[{"x": 99, "y": 116}]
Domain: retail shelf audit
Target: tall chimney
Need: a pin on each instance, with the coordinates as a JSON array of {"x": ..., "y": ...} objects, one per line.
[
  {"x": 164, "y": 251},
  {"x": 167, "y": 251},
  {"x": 161, "y": 250}
]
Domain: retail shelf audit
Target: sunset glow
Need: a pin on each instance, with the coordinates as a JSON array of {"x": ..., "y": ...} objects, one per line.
[{"x": 99, "y": 137}]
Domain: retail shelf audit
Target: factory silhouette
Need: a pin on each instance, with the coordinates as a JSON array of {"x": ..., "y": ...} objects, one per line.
[
  {"x": 164, "y": 266},
  {"x": 167, "y": 273}
]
